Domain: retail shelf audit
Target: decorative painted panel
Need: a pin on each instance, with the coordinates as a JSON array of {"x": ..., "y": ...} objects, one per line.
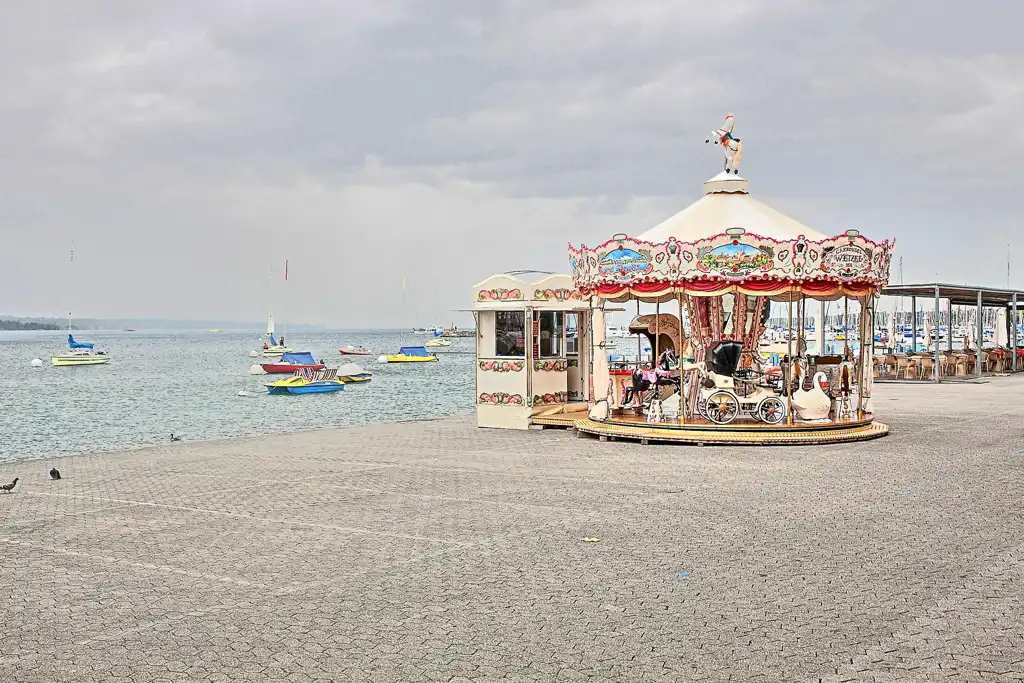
[
  {"x": 551, "y": 398},
  {"x": 501, "y": 365},
  {"x": 560, "y": 294},
  {"x": 500, "y": 295},
  {"x": 500, "y": 398},
  {"x": 734, "y": 256},
  {"x": 554, "y": 365}
]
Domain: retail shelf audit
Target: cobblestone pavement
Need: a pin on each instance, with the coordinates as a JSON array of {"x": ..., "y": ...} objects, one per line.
[{"x": 440, "y": 552}]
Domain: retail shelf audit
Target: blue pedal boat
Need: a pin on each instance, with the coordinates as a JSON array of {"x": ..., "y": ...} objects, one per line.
[{"x": 307, "y": 381}]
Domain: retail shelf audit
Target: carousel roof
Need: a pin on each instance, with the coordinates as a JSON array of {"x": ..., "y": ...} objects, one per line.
[
  {"x": 729, "y": 242},
  {"x": 727, "y": 204}
]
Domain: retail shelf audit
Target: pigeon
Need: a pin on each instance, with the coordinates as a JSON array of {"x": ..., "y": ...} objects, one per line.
[
  {"x": 54, "y": 473},
  {"x": 175, "y": 438},
  {"x": 7, "y": 488}
]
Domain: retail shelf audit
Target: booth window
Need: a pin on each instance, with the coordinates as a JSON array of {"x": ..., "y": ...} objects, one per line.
[
  {"x": 551, "y": 334},
  {"x": 509, "y": 334},
  {"x": 572, "y": 333}
]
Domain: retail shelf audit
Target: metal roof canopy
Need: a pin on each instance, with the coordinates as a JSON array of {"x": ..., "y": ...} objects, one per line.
[{"x": 959, "y": 295}]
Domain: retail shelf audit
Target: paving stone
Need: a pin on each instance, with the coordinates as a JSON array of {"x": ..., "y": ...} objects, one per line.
[{"x": 434, "y": 551}]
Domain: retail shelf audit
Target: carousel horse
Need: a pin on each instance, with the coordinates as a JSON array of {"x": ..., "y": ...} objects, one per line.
[
  {"x": 846, "y": 372},
  {"x": 731, "y": 146},
  {"x": 645, "y": 380}
]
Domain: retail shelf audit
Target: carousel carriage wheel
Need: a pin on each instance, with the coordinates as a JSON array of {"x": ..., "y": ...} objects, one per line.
[
  {"x": 771, "y": 410},
  {"x": 722, "y": 407},
  {"x": 702, "y": 408}
]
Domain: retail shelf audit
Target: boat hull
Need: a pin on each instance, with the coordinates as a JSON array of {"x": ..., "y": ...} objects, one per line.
[
  {"x": 346, "y": 352},
  {"x": 312, "y": 388},
  {"x": 297, "y": 384},
  {"x": 288, "y": 368},
  {"x": 276, "y": 351},
  {"x": 70, "y": 361},
  {"x": 356, "y": 379},
  {"x": 411, "y": 359}
]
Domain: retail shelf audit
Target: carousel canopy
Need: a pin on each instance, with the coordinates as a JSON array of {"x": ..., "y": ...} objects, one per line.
[
  {"x": 727, "y": 204},
  {"x": 727, "y": 241}
]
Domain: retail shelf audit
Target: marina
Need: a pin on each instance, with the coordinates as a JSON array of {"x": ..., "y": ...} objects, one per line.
[{"x": 189, "y": 383}]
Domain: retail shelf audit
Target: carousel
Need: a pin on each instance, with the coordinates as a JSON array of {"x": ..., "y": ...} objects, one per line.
[{"x": 712, "y": 273}]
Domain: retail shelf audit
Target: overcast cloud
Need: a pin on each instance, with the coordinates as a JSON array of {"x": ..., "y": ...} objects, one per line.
[{"x": 184, "y": 144}]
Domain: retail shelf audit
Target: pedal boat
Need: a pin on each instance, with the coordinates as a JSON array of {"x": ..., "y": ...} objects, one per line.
[
  {"x": 308, "y": 381},
  {"x": 350, "y": 373},
  {"x": 412, "y": 354}
]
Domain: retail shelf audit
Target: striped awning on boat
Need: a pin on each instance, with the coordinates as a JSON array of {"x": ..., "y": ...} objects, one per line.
[{"x": 314, "y": 375}]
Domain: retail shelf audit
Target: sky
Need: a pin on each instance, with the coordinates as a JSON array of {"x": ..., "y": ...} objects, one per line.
[{"x": 187, "y": 149}]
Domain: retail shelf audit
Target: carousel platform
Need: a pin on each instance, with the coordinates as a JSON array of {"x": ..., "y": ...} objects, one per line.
[
  {"x": 560, "y": 420},
  {"x": 634, "y": 428},
  {"x": 564, "y": 416}
]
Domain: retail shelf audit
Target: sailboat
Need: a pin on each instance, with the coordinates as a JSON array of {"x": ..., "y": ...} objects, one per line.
[
  {"x": 408, "y": 354},
  {"x": 78, "y": 353},
  {"x": 271, "y": 347}
]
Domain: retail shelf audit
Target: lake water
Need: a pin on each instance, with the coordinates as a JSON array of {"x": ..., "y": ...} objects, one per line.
[{"x": 188, "y": 383}]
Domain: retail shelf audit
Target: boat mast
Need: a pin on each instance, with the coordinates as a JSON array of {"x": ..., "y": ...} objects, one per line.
[
  {"x": 284, "y": 325},
  {"x": 405, "y": 278},
  {"x": 71, "y": 268},
  {"x": 270, "y": 302}
]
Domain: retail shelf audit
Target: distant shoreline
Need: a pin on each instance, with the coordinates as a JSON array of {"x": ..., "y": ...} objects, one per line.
[{"x": 18, "y": 326}]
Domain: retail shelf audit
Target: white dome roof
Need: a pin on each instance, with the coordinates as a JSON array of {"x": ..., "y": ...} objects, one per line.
[{"x": 727, "y": 204}]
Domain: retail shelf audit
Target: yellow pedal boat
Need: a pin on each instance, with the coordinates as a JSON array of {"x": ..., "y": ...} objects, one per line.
[
  {"x": 411, "y": 354},
  {"x": 308, "y": 381}
]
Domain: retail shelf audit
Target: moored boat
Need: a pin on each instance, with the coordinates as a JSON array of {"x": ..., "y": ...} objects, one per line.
[
  {"x": 349, "y": 350},
  {"x": 80, "y": 357},
  {"x": 350, "y": 373},
  {"x": 79, "y": 353},
  {"x": 273, "y": 349},
  {"x": 436, "y": 343},
  {"x": 292, "y": 361},
  {"x": 308, "y": 381},
  {"x": 411, "y": 354}
]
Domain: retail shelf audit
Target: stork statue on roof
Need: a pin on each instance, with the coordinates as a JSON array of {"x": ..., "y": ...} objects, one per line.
[{"x": 731, "y": 146}]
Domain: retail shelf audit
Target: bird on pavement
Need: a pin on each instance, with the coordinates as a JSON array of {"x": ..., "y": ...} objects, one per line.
[
  {"x": 7, "y": 488},
  {"x": 175, "y": 438},
  {"x": 54, "y": 473}
]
